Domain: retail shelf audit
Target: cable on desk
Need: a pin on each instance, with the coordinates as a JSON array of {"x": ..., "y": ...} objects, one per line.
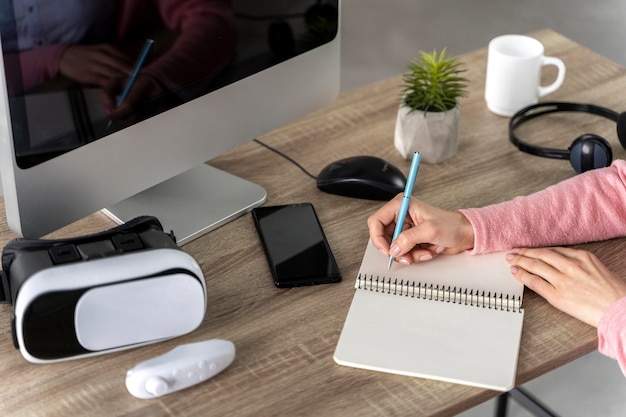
[{"x": 286, "y": 157}]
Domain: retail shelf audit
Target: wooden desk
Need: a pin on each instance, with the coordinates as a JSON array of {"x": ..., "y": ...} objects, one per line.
[{"x": 285, "y": 338}]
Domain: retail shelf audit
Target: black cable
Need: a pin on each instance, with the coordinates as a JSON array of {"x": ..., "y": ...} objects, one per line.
[{"x": 286, "y": 157}]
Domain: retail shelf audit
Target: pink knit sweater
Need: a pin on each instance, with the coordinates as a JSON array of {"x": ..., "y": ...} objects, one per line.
[
  {"x": 588, "y": 207},
  {"x": 206, "y": 42}
]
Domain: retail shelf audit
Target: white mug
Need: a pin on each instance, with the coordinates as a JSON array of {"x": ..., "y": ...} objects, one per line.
[{"x": 513, "y": 80}]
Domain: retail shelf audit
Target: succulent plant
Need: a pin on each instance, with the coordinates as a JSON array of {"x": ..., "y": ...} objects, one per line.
[{"x": 434, "y": 82}]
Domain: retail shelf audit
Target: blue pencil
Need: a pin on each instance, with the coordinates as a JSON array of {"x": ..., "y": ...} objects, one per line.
[
  {"x": 404, "y": 207},
  {"x": 135, "y": 72}
]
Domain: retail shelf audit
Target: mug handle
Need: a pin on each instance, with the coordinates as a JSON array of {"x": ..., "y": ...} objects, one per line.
[{"x": 550, "y": 60}]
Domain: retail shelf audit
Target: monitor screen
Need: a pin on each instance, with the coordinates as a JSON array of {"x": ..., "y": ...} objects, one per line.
[{"x": 102, "y": 100}]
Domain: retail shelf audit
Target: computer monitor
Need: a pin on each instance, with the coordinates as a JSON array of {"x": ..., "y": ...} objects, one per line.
[{"x": 226, "y": 72}]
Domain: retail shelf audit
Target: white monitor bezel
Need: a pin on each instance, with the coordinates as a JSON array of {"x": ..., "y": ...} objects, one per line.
[{"x": 57, "y": 192}]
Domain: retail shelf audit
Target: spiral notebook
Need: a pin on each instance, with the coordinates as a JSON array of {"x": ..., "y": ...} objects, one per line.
[{"x": 457, "y": 318}]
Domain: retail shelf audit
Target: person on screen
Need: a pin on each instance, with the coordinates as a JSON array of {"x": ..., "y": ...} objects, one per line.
[
  {"x": 585, "y": 208},
  {"x": 96, "y": 43}
]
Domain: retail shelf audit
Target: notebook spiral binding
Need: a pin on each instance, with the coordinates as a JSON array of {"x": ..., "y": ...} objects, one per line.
[{"x": 456, "y": 295}]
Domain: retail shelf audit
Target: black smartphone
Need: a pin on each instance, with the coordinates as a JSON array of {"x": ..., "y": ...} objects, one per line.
[{"x": 295, "y": 245}]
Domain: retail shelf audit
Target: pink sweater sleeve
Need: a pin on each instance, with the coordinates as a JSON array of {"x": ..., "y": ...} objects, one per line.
[
  {"x": 206, "y": 41},
  {"x": 36, "y": 65},
  {"x": 588, "y": 207},
  {"x": 612, "y": 333}
]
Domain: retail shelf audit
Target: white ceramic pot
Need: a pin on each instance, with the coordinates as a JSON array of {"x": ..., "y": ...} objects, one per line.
[{"x": 434, "y": 134}]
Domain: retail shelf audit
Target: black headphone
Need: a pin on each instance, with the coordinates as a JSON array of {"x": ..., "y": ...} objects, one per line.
[{"x": 588, "y": 151}]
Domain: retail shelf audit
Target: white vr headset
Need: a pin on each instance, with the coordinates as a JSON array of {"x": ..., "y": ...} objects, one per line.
[{"x": 122, "y": 288}]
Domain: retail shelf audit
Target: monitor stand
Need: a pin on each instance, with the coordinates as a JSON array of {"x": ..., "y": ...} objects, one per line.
[{"x": 192, "y": 203}]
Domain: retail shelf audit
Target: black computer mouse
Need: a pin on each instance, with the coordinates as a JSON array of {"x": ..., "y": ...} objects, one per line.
[{"x": 367, "y": 177}]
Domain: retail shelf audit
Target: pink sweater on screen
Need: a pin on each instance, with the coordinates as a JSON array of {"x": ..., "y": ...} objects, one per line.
[
  {"x": 206, "y": 42},
  {"x": 588, "y": 207}
]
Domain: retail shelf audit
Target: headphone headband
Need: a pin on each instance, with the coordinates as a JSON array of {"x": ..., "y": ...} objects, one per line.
[
  {"x": 581, "y": 153},
  {"x": 536, "y": 110}
]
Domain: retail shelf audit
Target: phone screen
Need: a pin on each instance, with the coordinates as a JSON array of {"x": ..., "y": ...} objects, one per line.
[{"x": 295, "y": 245}]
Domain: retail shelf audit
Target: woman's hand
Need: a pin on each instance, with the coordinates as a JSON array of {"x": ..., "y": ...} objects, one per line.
[
  {"x": 96, "y": 65},
  {"x": 428, "y": 231},
  {"x": 144, "y": 88},
  {"x": 574, "y": 281}
]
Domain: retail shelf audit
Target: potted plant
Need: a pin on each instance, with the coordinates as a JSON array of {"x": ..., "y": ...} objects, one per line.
[{"x": 429, "y": 113}]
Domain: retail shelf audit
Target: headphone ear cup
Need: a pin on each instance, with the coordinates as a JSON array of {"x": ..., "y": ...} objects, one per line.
[{"x": 589, "y": 152}]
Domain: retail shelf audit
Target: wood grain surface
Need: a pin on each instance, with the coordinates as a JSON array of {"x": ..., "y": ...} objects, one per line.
[{"x": 285, "y": 338}]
